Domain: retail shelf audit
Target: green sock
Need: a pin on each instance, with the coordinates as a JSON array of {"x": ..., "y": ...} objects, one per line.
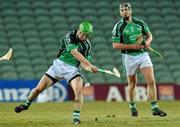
[
  {"x": 132, "y": 105},
  {"x": 154, "y": 105},
  {"x": 28, "y": 103},
  {"x": 76, "y": 115}
]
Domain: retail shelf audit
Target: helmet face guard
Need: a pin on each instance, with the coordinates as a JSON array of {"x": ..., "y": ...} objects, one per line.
[{"x": 86, "y": 28}]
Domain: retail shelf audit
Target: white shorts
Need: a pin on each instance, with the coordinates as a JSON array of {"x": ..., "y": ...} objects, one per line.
[
  {"x": 60, "y": 70},
  {"x": 133, "y": 63}
]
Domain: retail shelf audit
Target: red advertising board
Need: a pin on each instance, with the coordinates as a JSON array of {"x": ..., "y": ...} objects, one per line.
[{"x": 119, "y": 92}]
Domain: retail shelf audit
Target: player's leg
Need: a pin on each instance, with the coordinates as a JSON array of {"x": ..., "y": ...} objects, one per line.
[
  {"x": 47, "y": 80},
  {"x": 148, "y": 74},
  {"x": 151, "y": 87},
  {"x": 131, "y": 68},
  {"x": 77, "y": 86},
  {"x": 73, "y": 76},
  {"x": 44, "y": 83},
  {"x": 132, "y": 82}
]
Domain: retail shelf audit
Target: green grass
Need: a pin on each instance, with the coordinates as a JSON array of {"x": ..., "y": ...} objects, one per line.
[{"x": 60, "y": 115}]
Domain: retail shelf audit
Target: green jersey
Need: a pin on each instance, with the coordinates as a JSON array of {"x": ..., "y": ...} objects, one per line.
[
  {"x": 70, "y": 42},
  {"x": 127, "y": 33}
]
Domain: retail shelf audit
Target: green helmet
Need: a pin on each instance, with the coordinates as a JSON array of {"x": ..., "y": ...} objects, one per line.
[{"x": 86, "y": 27}]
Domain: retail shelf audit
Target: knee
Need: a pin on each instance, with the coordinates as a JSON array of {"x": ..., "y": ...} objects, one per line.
[
  {"x": 151, "y": 83},
  {"x": 132, "y": 85},
  {"x": 76, "y": 85},
  {"x": 78, "y": 92}
]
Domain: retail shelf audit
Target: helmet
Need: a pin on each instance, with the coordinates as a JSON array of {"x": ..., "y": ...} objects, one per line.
[{"x": 87, "y": 28}]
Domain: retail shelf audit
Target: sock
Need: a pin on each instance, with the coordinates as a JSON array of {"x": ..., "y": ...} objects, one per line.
[
  {"x": 154, "y": 105},
  {"x": 76, "y": 115},
  {"x": 132, "y": 105},
  {"x": 27, "y": 103}
]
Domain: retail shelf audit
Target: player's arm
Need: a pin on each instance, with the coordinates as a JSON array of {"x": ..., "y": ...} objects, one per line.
[
  {"x": 117, "y": 40},
  {"x": 85, "y": 67},
  {"x": 84, "y": 62},
  {"x": 72, "y": 48},
  {"x": 148, "y": 40},
  {"x": 121, "y": 46},
  {"x": 148, "y": 34},
  {"x": 80, "y": 57}
]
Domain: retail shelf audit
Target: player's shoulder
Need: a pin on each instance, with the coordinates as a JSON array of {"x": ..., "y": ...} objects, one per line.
[
  {"x": 70, "y": 36},
  {"x": 88, "y": 43},
  {"x": 119, "y": 23},
  {"x": 138, "y": 19}
]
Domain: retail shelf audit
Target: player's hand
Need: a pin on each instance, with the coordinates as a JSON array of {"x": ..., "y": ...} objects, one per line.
[
  {"x": 94, "y": 69},
  {"x": 137, "y": 47}
]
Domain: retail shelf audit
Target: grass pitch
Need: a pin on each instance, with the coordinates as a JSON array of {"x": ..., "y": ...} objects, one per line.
[{"x": 94, "y": 114}]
